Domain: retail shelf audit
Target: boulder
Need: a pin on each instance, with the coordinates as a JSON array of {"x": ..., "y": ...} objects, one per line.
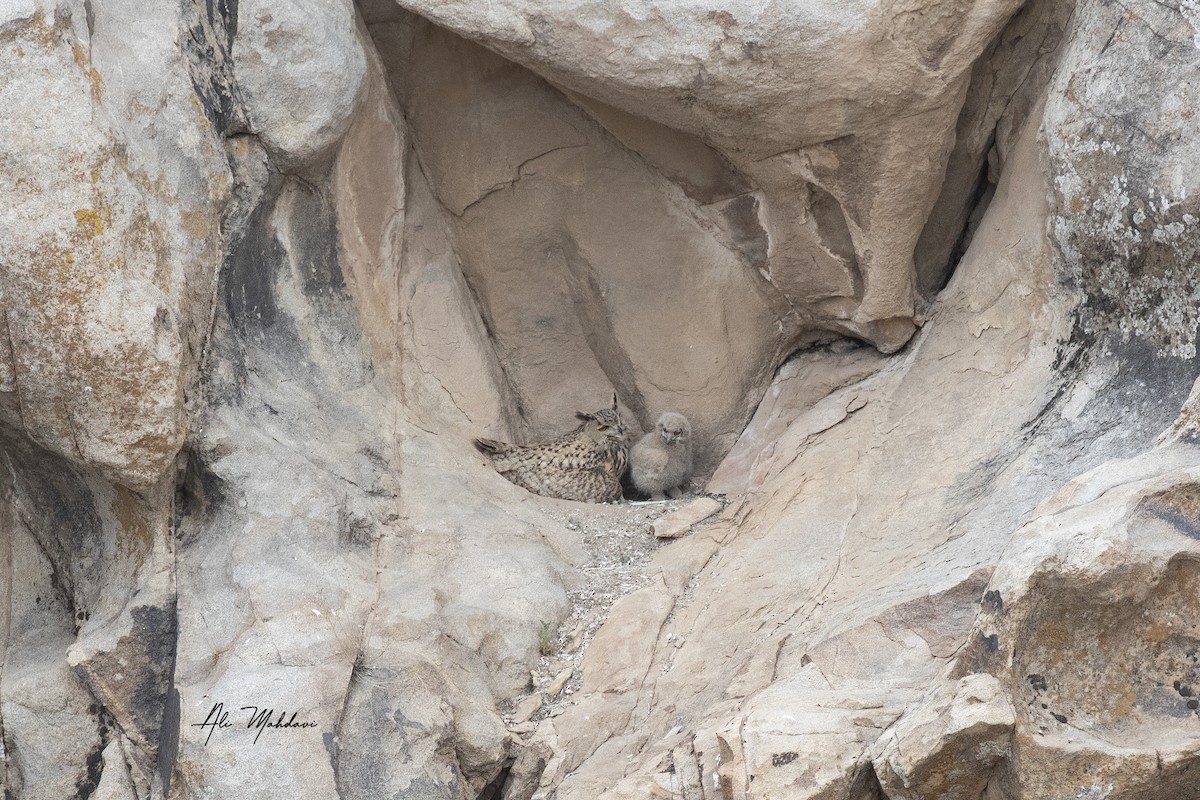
[
  {"x": 299, "y": 70},
  {"x": 1110, "y": 558},
  {"x": 115, "y": 186}
]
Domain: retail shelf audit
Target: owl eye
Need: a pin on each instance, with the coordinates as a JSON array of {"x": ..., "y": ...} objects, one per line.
[{"x": 603, "y": 427}]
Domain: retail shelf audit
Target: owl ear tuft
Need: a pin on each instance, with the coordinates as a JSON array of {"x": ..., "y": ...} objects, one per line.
[
  {"x": 614, "y": 401},
  {"x": 583, "y": 416}
]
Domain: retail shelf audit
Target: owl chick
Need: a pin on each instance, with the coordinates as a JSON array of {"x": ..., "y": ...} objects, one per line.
[
  {"x": 585, "y": 464},
  {"x": 662, "y": 460}
]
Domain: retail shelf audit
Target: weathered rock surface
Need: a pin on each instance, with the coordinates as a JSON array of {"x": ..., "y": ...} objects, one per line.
[
  {"x": 777, "y": 618},
  {"x": 579, "y": 297},
  {"x": 266, "y": 268},
  {"x": 114, "y": 186},
  {"x": 1112, "y": 557},
  {"x": 1125, "y": 209},
  {"x": 678, "y": 522},
  {"x": 281, "y": 54},
  {"x": 838, "y": 171}
]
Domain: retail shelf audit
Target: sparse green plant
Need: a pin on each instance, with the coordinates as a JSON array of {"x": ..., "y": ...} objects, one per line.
[{"x": 546, "y": 639}]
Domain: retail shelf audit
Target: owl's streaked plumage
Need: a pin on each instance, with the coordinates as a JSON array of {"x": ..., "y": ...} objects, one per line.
[
  {"x": 585, "y": 464},
  {"x": 661, "y": 461}
]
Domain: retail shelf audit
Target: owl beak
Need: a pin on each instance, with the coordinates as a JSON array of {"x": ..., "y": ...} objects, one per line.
[{"x": 668, "y": 435}]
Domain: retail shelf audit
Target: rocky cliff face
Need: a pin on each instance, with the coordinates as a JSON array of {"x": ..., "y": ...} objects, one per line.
[{"x": 920, "y": 275}]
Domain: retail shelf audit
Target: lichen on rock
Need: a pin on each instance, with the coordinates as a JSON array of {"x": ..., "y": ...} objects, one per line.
[{"x": 921, "y": 276}]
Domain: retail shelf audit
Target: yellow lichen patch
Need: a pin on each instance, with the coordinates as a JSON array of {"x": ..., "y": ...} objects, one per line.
[
  {"x": 44, "y": 269},
  {"x": 201, "y": 115},
  {"x": 38, "y": 29},
  {"x": 196, "y": 223},
  {"x": 91, "y": 221},
  {"x": 144, "y": 239},
  {"x": 90, "y": 72}
]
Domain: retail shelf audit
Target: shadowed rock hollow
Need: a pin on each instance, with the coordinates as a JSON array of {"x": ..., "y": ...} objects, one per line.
[{"x": 920, "y": 275}]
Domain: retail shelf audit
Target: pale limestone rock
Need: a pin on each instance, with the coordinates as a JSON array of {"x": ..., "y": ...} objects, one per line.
[
  {"x": 527, "y": 708},
  {"x": 115, "y": 782},
  {"x": 1109, "y": 559},
  {"x": 849, "y": 162},
  {"x": 399, "y": 634},
  {"x": 694, "y": 68},
  {"x": 839, "y": 527},
  {"x": 39, "y": 688},
  {"x": 525, "y": 773},
  {"x": 578, "y": 295},
  {"x": 678, "y": 522},
  {"x": 419, "y": 241},
  {"x": 626, "y": 644},
  {"x": 1007, "y": 82},
  {"x": 795, "y": 742},
  {"x": 300, "y": 68},
  {"x": 560, "y": 680},
  {"x": 113, "y": 185},
  {"x": 1187, "y": 426},
  {"x": 805, "y": 734},
  {"x": 951, "y": 745},
  {"x": 406, "y": 281},
  {"x": 114, "y": 182}
]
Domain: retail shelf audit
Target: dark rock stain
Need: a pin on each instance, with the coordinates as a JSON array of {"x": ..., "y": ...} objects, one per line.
[
  {"x": 249, "y": 279},
  {"x": 133, "y": 679},
  {"x": 992, "y": 599}
]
